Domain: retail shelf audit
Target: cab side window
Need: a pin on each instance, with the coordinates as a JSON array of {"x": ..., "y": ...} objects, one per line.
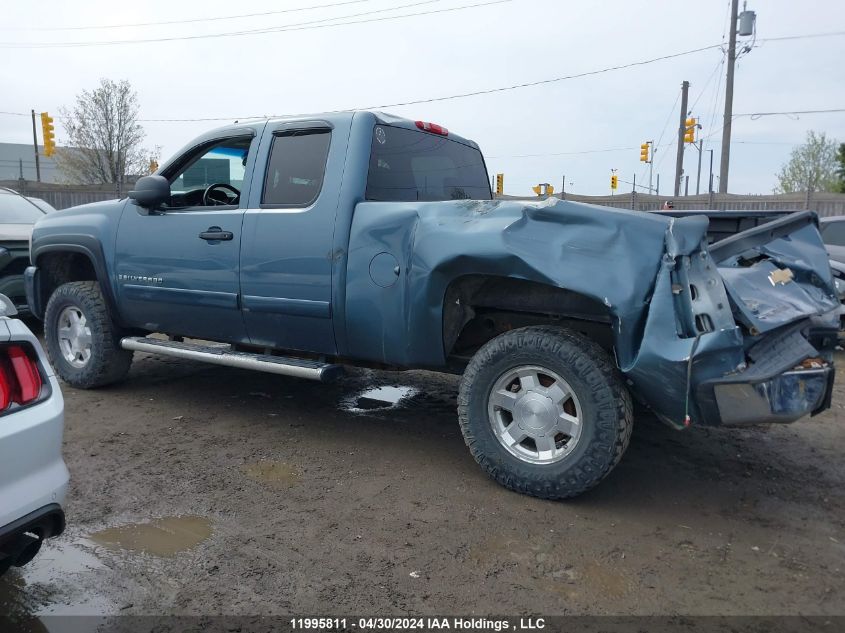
[
  {"x": 296, "y": 168},
  {"x": 212, "y": 176}
]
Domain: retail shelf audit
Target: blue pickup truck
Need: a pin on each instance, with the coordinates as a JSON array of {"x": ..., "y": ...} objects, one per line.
[{"x": 300, "y": 245}]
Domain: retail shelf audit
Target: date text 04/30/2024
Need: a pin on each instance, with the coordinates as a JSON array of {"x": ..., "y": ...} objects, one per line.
[{"x": 417, "y": 624}]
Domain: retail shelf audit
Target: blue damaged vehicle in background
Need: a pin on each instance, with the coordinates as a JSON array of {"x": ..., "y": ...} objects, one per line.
[{"x": 300, "y": 245}]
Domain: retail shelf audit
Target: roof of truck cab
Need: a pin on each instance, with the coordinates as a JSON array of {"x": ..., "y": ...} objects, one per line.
[{"x": 385, "y": 118}]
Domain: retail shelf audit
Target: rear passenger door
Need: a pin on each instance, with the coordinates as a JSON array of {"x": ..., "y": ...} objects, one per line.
[{"x": 286, "y": 251}]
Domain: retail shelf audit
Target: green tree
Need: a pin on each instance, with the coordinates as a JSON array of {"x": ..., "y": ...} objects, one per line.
[
  {"x": 104, "y": 136},
  {"x": 811, "y": 167}
]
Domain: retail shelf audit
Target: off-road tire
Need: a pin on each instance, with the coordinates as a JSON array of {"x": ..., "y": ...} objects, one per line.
[
  {"x": 109, "y": 363},
  {"x": 592, "y": 375}
]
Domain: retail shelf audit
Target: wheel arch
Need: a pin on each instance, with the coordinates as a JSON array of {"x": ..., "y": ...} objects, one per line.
[
  {"x": 59, "y": 263},
  {"x": 479, "y": 307}
]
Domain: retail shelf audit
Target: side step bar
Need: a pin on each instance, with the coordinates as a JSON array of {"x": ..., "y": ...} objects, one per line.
[{"x": 220, "y": 354}]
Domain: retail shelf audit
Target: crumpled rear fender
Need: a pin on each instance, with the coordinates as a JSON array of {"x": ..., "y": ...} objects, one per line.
[{"x": 610, "y": 255}]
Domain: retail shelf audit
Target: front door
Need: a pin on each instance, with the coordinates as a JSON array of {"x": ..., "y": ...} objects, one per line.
[{"x": 178, "y": 269}]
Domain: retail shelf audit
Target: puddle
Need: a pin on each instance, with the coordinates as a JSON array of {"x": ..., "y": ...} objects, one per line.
[
  {"x": 377, "y": 398},
  {"x": 51, "y": 583},
  {"x": 272, "y": 472},
  {"x": 162, "y": 537}
]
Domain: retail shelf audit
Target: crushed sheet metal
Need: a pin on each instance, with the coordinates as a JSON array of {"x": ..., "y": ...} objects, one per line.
[{"x": 621, "y": 259}]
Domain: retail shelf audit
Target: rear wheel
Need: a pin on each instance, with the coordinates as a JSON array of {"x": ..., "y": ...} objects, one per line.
[
  {"x": 82, "y": 341},
  {"x": 545, "y": 412}
]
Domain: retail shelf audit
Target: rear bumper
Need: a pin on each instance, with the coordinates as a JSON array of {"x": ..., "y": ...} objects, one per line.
[
  {"x": 21, "y": 539},
  {"x": 33, "y": 474},
  {"x": 46, "y": 522},
  {"x": 783, "y": 398},
  {"x": 777, "y": 386}
]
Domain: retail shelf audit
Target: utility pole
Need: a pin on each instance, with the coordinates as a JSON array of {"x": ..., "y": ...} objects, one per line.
[
  {"x": 698, "y": 179},
  {"x": 563, "y": 188},
  {"x": 724, "y": 163},
  {"x": 710, "y": 185},
  {"x": 651, "y": 166},
  {"x": 634, "y": 192},
  {"x": 35, "y": 145},
  {"x": 679, "y": 164}
]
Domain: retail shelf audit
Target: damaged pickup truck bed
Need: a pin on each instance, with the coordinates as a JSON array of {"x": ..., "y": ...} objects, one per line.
[{"x": 300, "y": 245}]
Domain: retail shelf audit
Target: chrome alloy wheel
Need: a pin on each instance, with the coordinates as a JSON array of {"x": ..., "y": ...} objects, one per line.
[
  {"x": 74, "y": 337},
  {"x": 535, "y": 414}
]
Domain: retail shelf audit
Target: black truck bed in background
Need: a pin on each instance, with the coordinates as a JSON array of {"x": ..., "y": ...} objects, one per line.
[{"x": 726, "y": 223}]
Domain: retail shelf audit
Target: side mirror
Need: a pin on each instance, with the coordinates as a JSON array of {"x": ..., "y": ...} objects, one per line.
[{"x": 150, "y": 191}]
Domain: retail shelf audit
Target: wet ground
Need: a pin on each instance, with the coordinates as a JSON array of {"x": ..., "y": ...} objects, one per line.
[{"x": 206, "y": 490}]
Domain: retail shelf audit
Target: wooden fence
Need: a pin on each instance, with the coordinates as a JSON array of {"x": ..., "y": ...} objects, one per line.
[
  {"x": 825, "y": 204},
  {"x": 63, "y": 196}
]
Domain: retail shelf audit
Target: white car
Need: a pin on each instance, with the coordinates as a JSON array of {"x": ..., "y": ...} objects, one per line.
[{"x": 33, "y": 475}]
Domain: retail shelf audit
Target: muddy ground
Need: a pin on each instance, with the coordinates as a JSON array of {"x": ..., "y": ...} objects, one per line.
[{"x": 206, "y": 490}]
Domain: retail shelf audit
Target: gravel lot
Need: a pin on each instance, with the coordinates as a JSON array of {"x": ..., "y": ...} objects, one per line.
[{"x": 206, "y": 490}]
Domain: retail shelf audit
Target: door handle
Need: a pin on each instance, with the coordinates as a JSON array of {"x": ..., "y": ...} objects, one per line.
[{"x": 215, "y": 233}]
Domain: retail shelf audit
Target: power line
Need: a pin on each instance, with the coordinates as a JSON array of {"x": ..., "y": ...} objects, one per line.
[
  {"x": 707, "y": 84},
  {"x": 627, "y": 149},
  {"x": 662, "y": 132},
  {"x": 503, "y": 89},
  {"x": 301, "y": 26},
  {"x": 587, "y": 151},
  {"x": 657, "y": 144},
  {"x": 186, "y": 21},
  {"x": 455, "y": 96},
  {"x": 547, "y": 81},
  {"x": 805, "y": 36},
  {"x": 757, "y": 115}
]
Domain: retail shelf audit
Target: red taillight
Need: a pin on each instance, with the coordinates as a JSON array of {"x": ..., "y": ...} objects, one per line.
[
  {"x": 433, "y": 128},
  {"x": 20, "y": 380}
]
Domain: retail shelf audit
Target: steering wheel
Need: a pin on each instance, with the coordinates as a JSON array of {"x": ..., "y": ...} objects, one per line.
[{"x": 208, "y": 200}]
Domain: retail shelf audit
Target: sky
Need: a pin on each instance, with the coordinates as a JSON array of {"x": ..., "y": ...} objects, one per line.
[{"x": 580, "y": 128}]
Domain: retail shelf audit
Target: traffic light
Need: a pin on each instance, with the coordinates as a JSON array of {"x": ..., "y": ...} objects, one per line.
[
  {"x": 689, "y": 131},
  {"x": 49, "y": 133},
  {"x": 614, "y": 182},
  {"x": 500, "y": 184},
  {"x": 644, "y": 157}
]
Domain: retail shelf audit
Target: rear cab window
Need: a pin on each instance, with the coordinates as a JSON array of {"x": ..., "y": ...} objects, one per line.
[{"x": 412, "y": 165}]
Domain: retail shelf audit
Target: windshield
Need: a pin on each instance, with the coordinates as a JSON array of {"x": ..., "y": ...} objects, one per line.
[
  {"x": 408, "y": 165},
  {"x": 15, "y": 209}
]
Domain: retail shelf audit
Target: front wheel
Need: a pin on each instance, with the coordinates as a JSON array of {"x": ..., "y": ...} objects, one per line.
[
  {"x": 544, "y": 411},
  {"x": 82, "y": 341}
]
